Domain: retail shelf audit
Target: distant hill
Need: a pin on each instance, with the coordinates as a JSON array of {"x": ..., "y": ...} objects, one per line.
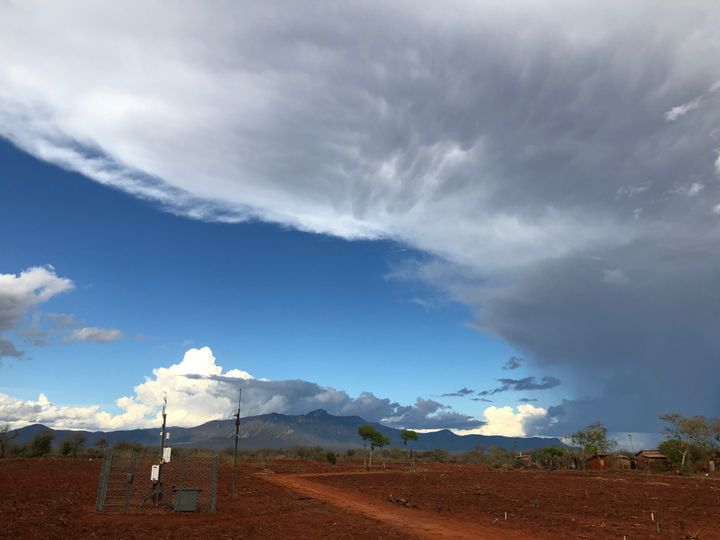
[{"x": 316, "y": 428}]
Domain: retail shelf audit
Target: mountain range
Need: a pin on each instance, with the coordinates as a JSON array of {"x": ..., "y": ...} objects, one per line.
[{"x": 316, "y": 428}]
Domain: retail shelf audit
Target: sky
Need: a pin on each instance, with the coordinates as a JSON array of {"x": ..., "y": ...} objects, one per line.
[{"x": 497, "y": 217}]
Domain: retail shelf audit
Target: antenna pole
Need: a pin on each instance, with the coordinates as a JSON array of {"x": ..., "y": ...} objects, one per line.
[
  {"x": 163, "y": 431},
  {"x": 157, "y": 487},
  {"x": 237, "y": 436}
]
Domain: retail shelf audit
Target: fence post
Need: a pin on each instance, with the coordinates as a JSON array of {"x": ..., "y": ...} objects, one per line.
[
  {"x": 102, "y": 483},
  {"x": 129, "y": 478},
  {"x": 213, "y": 494}
]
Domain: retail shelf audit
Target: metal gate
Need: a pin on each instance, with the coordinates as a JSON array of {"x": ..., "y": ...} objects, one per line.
[{"x": 125, "y": 484}]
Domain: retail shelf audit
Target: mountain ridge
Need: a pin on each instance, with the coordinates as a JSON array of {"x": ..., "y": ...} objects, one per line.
[{"x": 277, "y": 431}]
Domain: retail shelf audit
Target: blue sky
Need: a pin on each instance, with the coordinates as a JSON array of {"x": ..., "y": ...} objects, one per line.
[
  {"x": 277, "y": 303},
  {"x": 370, "y": 206}
]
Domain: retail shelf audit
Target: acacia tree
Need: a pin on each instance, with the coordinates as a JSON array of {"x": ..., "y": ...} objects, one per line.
[
  {"x": 6, "y": 435},
  {"x": 593, "y": 440},
  {"x": 379, "y": 441},
  {"x": 368, "y": 433},
  {"x": 409, "y": 435},
  {"x": 690, "y": 432}
]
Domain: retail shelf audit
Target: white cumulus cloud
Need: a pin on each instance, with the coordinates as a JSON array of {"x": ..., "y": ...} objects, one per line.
[
  {"x": 510, "y": 422},
  {"x": 21, "y": 292},
  {"x": 198, "y": 390}
]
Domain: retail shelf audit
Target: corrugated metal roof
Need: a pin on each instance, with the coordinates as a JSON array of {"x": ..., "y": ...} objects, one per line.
[{"x": 651, "y": 454}]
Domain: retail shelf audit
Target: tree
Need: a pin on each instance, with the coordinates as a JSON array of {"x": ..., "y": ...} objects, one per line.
[
  {"x": 548, "y": 456},
  {"x": 6, "y": 435},
  {"x": 65, "y": 448},
  {"x": 101, "y": 444},
  {"x": 370, "y": 436},
  {"x": 715, "y": 432},
  {"x": 72, "y": 444},
  {"x": 379, "y": 441},
  {"x": 41, "y": 444},
  {"x": 673, "y": 449},
  {"x": 409, "y": 435},
  {"x": 691, "y": 432},
  {"x": 593, "y": 440}
]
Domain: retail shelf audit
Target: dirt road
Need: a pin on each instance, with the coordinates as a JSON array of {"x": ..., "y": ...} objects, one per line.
[{"x": 412, "y": 521}]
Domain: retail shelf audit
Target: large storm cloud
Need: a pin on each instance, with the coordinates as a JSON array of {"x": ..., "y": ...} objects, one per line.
[{"x": 557, "y": 160}]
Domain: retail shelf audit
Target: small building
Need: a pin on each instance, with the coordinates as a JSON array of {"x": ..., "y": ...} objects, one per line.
[
  {"x": 652, "y": 460},
  {"x": 599, "y": 462},
  {"x": 623, "y": 463}
]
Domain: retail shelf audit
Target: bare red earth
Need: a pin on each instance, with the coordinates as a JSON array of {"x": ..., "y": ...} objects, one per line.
[
  {"x": 54, "y": 498},
  {"x": 562, "y": 504},
  {"x": 412, "y": 521}
]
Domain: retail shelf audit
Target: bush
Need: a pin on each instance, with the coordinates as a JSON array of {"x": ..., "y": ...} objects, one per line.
[
  {"x": 66, "y": 448},
  {"x": 549, "y": 457},
  {"x": 331, "y": 457},
  {"x": 493, "y": 457},
  {"x": 695, "y": 459},
  {"x": 124, "y": 446},
  {"x": 72, "y": 444},
  {"x": 394, "y": 453},
  {"x": 19, "y": 450},
  {"x": 41, "y": 445},
  {"x": 439, "y": 455}
]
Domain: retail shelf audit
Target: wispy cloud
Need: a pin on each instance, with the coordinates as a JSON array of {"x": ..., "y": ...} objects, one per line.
[
  {"x": 512, "y": 363},
  {"x": 43, "y": 327},
  {"x": 681, "y": 110},
  {"x": 526, "y": 383},
  {"x": 94, "y": 334},
  {"x": 459, "y": 393}
]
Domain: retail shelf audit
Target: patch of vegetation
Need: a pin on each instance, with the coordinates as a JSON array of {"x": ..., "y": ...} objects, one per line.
[
  {"x": 593, "y": 440},
  {"x": 691, "y": 441}
]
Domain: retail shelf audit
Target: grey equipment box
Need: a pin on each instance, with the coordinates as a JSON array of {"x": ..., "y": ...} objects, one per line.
[{"x": 186, "y": 500}]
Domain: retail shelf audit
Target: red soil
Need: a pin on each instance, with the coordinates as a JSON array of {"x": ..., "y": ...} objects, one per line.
[
  {"x": 562, "y": 504},
  {"x": 412, "y": 521},
  {"x": 54, "y": 498}
]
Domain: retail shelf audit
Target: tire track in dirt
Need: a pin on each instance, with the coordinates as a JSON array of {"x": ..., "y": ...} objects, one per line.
[{"x": 412, "y": 521}]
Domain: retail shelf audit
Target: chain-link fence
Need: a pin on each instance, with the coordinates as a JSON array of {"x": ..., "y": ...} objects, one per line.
[{"x": 186, "y": 483}]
